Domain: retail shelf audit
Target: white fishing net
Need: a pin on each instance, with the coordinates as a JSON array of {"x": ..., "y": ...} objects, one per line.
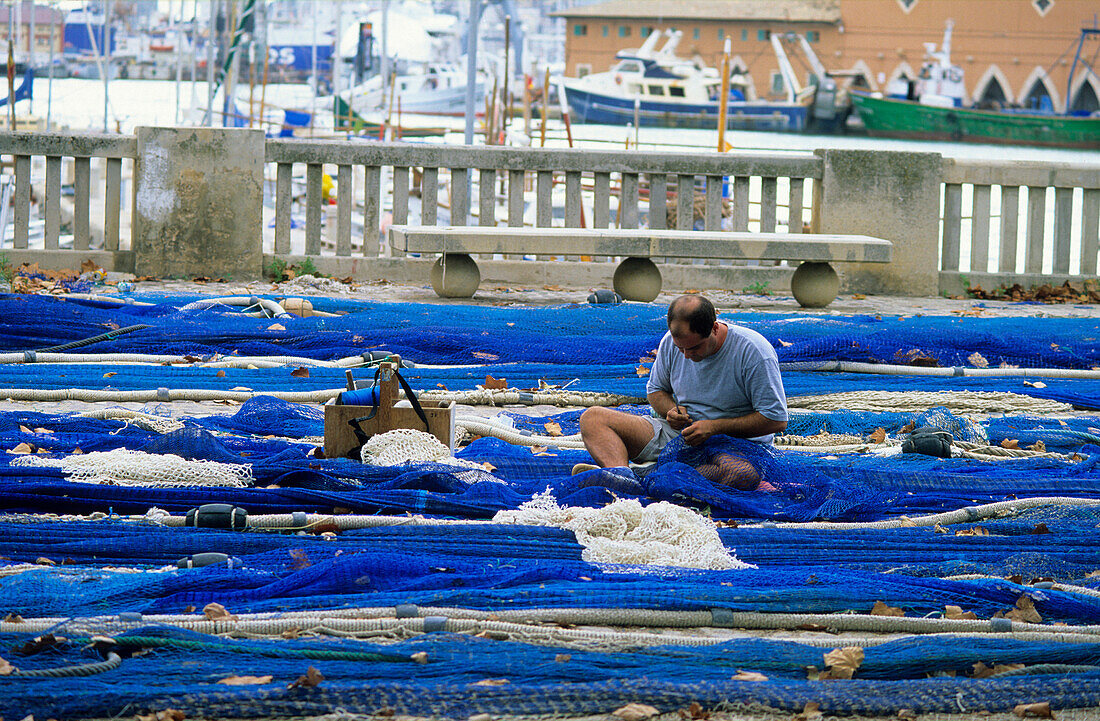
[
  {"x": 123, "y": 467},
  {"x": 625, "y": 532},
  {"x": 406, "y": 445}
]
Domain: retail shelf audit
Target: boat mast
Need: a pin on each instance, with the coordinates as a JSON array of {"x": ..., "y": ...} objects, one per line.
[{"x": 1085, "y": 32}]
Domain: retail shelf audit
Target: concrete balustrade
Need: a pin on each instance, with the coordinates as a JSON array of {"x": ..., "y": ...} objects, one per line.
[{"x": 198, "y": 208}]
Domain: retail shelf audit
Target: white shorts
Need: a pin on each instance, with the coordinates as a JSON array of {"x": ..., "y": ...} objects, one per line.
[{"x": 662, "y": 434}]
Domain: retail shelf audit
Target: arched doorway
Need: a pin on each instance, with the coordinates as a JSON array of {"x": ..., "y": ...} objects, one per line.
[
  {"x": 992, "y": 95},
  {"x": 1038, "y": 97},
  {"x": 1085, "y": 100}
]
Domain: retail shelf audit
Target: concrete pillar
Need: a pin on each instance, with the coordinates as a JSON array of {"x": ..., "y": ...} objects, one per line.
[
  {"x": 198, "y": 203},
  {"x": 889, "y": 195}
]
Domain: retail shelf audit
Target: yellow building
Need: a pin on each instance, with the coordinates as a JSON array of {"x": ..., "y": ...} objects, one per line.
[{"x": 1012, "y": 52}]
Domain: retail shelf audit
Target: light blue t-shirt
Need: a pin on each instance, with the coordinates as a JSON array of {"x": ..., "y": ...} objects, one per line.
[{"x": 742, "y": 377}]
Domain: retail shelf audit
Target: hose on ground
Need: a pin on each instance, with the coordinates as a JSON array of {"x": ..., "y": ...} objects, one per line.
[
  {"x": 109, "y": 335},
  {"x": 112, "y": 662}
]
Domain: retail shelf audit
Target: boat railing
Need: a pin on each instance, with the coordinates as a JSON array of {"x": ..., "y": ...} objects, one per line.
[{"x": 1019, "y": 222}]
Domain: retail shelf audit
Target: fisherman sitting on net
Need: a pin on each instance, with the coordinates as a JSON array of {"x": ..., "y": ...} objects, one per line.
[{"x": 709, "y": 378}]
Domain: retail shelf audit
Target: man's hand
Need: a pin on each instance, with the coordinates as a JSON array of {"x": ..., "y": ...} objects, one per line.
[
  {"x": 698, "y": 432},
  {"x": 678, "y": 418}
]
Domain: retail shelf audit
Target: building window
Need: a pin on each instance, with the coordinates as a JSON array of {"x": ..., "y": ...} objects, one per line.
[
  {"x": 813, "y": 36},
  {"x": 624, "y": 31},
  {"x": 695, "y": 34},
  {"x": 646, "y": 30},
  {"x": 603, "y": 31},
  {"x": 763, "y": 35},
  {"x": 744, "y": 35},
  {"x": 778, "y": 87},
  {"x": 721, "y": 34},
  {"x": 580, "y": 30},
  {"x": 1042, "y": 6},
  {"x": 907, "y": 5}
]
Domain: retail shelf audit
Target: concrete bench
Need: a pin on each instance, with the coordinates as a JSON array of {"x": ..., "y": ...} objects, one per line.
[{"x": 814, "y": 283}]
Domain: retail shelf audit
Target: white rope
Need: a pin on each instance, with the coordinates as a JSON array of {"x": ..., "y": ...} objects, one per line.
[
  {"x": 909, "y": 401},
  {"x": 407, "y": 445},
  {"x": 123, "y": 467},
  {"x": 546, "y": 396},
  {"x": 625, "y": 532},
  {"x": 146, "y": 421},
  {"x": 510, "y": 435}
]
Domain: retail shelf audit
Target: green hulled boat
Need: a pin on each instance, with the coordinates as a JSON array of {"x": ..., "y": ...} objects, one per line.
[{"x": 909, "y": 119}]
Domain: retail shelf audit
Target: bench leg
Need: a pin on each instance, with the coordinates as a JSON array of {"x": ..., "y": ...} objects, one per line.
[
  {"x": 814, "y": 285},
  {"x": 637, "y": 279},
  {"x": 455, "y": 275}
]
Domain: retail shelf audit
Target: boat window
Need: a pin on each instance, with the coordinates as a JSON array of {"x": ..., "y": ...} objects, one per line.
[
  {"x": 656, "y": 89},
  {"x": 676, "y": 92},
  {"x": 628, "y": 66},
  {"x": 634, "y": 89},
  {"x": 778, "y": 86}
]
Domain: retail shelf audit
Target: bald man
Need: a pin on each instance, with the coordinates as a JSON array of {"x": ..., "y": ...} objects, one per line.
[{"x": 709, "y": 378}]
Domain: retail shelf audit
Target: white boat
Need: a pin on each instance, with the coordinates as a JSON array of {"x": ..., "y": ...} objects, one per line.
[
  {"x": 658, "y": 88},
  {"x": 434, "y": 88}
]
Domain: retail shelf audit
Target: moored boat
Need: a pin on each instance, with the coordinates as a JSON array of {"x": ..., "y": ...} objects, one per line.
[
  {"x": 653, "y": 87},
  {"x": 932, "y": 109}
]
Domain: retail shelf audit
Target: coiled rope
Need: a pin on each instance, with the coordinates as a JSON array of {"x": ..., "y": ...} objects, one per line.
[{"x": 912, "y": 401}]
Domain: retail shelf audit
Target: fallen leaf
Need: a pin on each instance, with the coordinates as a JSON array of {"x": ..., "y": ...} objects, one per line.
[
  {"x": 977, "y": 360},
  {"x": 783, "y": 343},
  {"x": 13, "y": 618},
  {"x": 906, "y": 713},
  {"x": 1024, "y": 611},
  {"x": 975, "y": 531},
  {"x": 956, "y": 612},
  {"x": 488, "y": 466},
  {"x": 300, "y": 372},
  {"x": 88, "y": 265},
  {"x": 748, "y": 676},
  {"x": 810, "y": 711},
  {"x": 563, "y": 657},
  {"x": 6, "y": 669},
  {"x": 38, "y": 644},
  {"x": 1038, "y": 446},
  {"x": 110, "y": 375},
  {"x": 217, "y": 612},
  {"x": 1010, "y": 443},
  {"x": 312, "y": 678},
  {"x": 496, "y": 383},
  {"x": 642, "y": 371},
  {"x": 842, "y": 662},
  {"x": 220, "y": 374},
  {"x": 881, "y": 609},
  {"x": 26, "y": 430},
  {"x": 878, "y": 435},
  {"x": 939, "y": 529},
  {"x": 244, "y": 680},
  {"x": 983, "y": 671},
  {"x": 22, "y": 448},
  {"x": 420, "y": 657},
  {"x": 635, "y": 712},
  {"x": 536, "y": 450},
  {"x": 552, "y": 428},
  {"x": 1036, "y": 384},
  {"x": 291, "y": 633},
  {"x": 492, "y": 682},
  {"x": 1038, "y": 710},
  {"x": 858, "y": 296},
  {"x": 1040, "y": 528},
  {"x": 276, "y": 326},
  {"x": 694, "y": 710}
]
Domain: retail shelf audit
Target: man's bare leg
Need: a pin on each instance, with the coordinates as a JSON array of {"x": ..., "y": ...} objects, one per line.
[{"x": 613, "y": 437}]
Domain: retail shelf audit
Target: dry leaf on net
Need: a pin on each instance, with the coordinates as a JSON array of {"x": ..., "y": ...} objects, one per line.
[
  {"x": 311, "y": 678},
  {"x": 217, "y": 612},
  {"x": 983, "y": 671},
  {"x": 492, "y": 682},
  {"x": 495, "y": 383},
  {"x": 977, "y": 360},
  {"x": 552, "y": 428},
  {"x": 1024, "y": 611},
  {"x": 811, "y": 710},
  {"x": 956, "y": 612},
  {"x": 300, "y": 372},
  {"x": 641, "y": 371},
  {"x": 635, "y": 712},
  {"x": 244, "y": 680},
  {"x": 276, "y": 326},
  {"x": 6, "y": 669},
  {"x": 878, "y": 435},
  {"x": 842, "y": 662},
  {"x": 975, "y": 531},
  {"x": 1034, "y": 710},
  {"x": 881, "y": 609},
  {"x": 1010, "y": 443},
  {"x": 748, "y": 676}
]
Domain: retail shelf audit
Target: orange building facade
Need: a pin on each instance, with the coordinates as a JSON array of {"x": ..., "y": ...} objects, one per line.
[{"x": 1012, "y": 52}]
